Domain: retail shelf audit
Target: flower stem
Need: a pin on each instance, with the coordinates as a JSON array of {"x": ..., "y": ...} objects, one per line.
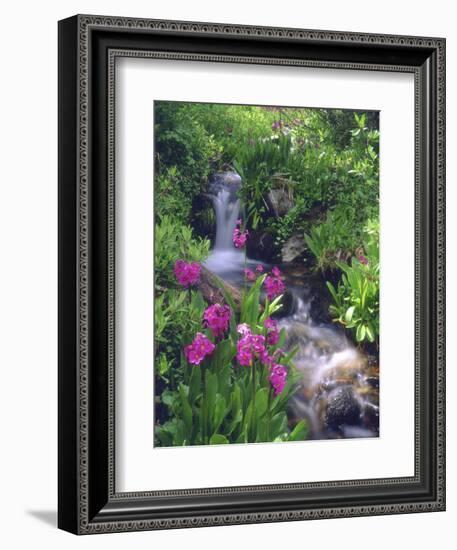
[{"x": 253, "y": 430}]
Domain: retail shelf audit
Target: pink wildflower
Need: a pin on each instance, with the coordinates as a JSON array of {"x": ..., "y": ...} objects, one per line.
[
  {"x": 259, "y": 268},
  {"x": 217, "y": 319},
  {"x": 267, "y": 359},
  {"x": 249, "y": 274},
  {"x": 187, "y": 274},
  {"x": 199, "y": 349},
  {"x": 363, "y": 259},
  {"x": 240, "y": 237},
  {"x": 274, "y": 284},
  {"x": 277, "y": 378},
  {"x": 258, "y": 344},
  {"x": 249, "y": 347},
  {"x": 272, "y": 331},
  {"x": 243, "y": 351},
  {"x": 243, "y": 329}
]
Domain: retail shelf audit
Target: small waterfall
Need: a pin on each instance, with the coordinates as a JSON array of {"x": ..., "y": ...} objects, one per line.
[
  {"x": 227, "y": 208},
  {"x": 225, "y": 260}
]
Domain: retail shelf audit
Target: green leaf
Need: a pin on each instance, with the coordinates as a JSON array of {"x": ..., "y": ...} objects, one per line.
[
  {"x": 261, "y": 402},
  {"x": 370, "y": 333},
  {"x": 195, "y": 384},
  {"x": 220, "y": 410},
  {"x": 218, "y": 439},
  {"x": 186, "y": 410},
  {"x": 332, "y": 291},
  {"x": 169, "y": 398},
  {"x": 360, "y": 333},
  {"x": 278, "y": 424},
  {"x": 300, "y": 432},
  {"x": 349, "y": 313},
  {"x": 210, "y": 396}
]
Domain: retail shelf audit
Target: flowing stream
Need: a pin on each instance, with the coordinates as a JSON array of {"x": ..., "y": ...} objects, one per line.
[{"x": 339, "y": 389}]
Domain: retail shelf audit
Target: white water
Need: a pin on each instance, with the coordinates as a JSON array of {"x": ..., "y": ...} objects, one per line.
[
  {"x": 225, "y": 260},
  {"x": 327, "y": 362}
]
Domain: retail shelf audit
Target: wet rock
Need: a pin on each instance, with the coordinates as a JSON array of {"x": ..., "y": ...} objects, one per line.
[
  {"x": 281, "y": 201},
  {"x": 293, "y": 248},
  {"x": 371, "y": 417},
  {"x": 229, "y": 177},
  {"x": 343, "y": 409},
  {"x": 372, "y": 381},
  {"x": 261, "y": 246},
  {"x": 209, "y": 286}
]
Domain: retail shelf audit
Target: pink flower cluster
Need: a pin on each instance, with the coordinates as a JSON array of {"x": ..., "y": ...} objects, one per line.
[
  {"x": 199, "y": 349},
  {"x": 187, "y": 274},
  {"x": 278, "y": 377},
  {"x": 274, "y": 284},
  {"x": 363, "y": 259},
  {"x": 272, "y": 331},
  {"x": 251, "y": 275},
  {"x": 249, "y": 347},
  {"x": 217, "y": 319},
  {"x": 239, "y": 237}
]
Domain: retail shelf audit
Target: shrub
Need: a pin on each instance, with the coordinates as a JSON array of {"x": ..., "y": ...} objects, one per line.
[
  {"x": 173, "y": 240},
  {"x": 184, "y": 153},
  {"x": 356, "y": 298}
]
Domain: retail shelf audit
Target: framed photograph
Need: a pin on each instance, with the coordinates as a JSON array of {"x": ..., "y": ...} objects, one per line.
[{"x": 251, "y": 274}]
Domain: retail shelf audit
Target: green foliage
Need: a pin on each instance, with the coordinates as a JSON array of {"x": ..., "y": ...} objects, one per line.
[
  {"x": 326, "y": 159},
  {"x": 335, "y": 239},
  {"x": 184, "y": 153},
  {"x": 175, "y": 312},
  {"x": 219, "y": 403},
  {"x": 326, "y": 163},
  {"x": 170, "y": 197},
  {"x": 257, "y": 163},
  {"x": 172, "y": 241},
  {"x": 356, "y": 298}
]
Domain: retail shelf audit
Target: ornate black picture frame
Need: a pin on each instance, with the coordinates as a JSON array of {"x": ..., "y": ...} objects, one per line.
[{"x": 88, "y": 501}]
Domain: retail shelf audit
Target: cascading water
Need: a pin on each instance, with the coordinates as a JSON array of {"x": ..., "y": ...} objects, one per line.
[
  {"x": 225, "y": 260},
  {"x": 338, "y": 393}
]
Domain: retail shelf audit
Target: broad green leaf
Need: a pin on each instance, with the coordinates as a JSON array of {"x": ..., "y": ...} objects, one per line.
[
  {"x": 349, "y": 313},
  {"x": 300, "y": 432},
  {"x": 218, "y": 439},
  {"x": 220, "y": 410},
  {"x": 261, "y": 402},
  {"x": 194, "y": 384},
  {"x": 186, "y": 410},
  {"x": 278, "y": 424}
]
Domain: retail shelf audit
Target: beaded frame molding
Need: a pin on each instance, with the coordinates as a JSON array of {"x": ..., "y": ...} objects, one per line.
[{"x": 88, "y": 48}]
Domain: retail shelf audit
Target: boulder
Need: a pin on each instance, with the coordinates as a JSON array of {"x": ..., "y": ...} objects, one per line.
[
  {"x": 261, "y": 246},
  {"x": 210, "y": 285},
  {"x": 343, "y": 409},
  {"x": 281, "y": 201},
  {"x": 293, "y": 248}
]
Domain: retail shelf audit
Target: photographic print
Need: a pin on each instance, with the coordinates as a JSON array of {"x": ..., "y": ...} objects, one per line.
[{"x": 267, "y": 274}]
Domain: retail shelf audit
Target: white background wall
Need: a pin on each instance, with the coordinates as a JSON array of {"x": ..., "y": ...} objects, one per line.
[{"x": 28, "y": 301}]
